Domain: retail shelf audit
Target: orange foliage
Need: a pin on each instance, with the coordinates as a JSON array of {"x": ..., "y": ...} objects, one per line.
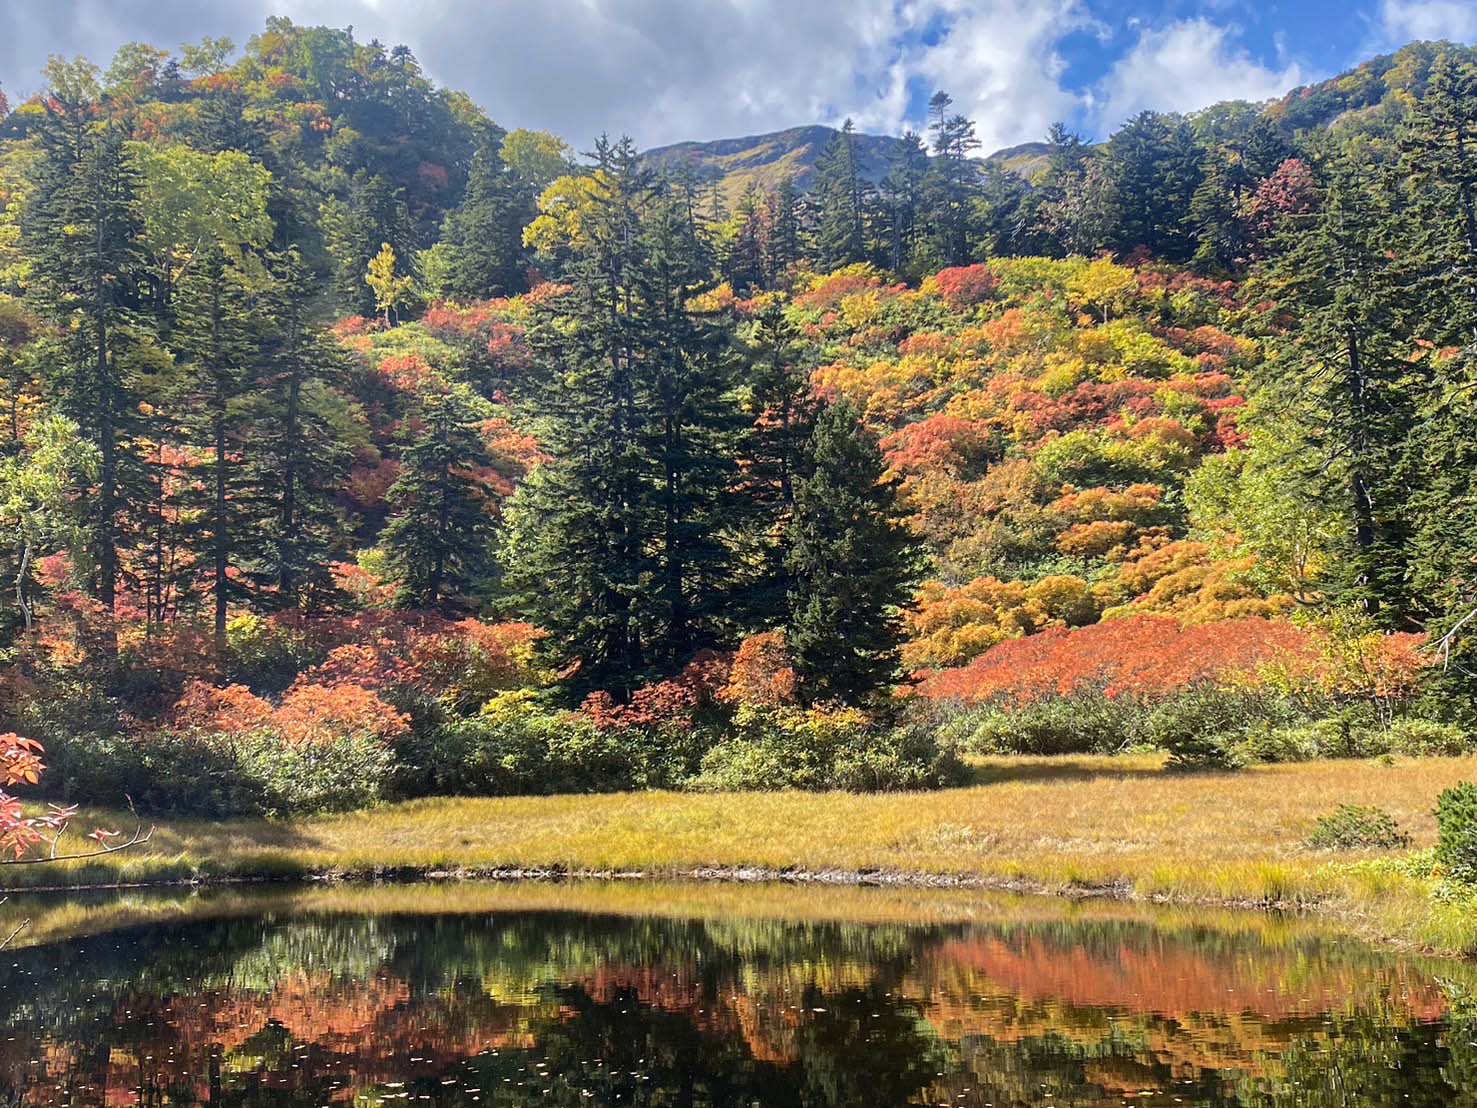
[
  {"x": 763, "y": 674},
  {"x": 319, "y": 713},
  {"x": 962, "y": 286},
  {"x": 1141, "y": 656},
  {"x": 228, "y": 710}
]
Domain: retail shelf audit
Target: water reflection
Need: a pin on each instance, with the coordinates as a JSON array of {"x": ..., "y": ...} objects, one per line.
[{"x": 286, "y": 1006}]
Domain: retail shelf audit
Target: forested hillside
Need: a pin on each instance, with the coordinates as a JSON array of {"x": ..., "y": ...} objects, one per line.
[{"x": 355, "y": 445}]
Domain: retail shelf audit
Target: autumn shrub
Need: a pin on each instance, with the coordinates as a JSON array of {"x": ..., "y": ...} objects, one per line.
[
  {"x": 1084, "y": 723},
  {"x": 517, "y": 745},
  {"x": 1456, "y": 823},
  {"x": 266, "y": 655},
  {"x": 822, "y": 748},
  {"x": 250, "y": 773},
  {"x": 1428, "y": 738},
  {"x": 1205, "y": 726},
  {"x": 1358, "y": 827}
]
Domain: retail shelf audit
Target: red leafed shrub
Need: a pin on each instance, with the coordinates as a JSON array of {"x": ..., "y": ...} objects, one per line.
[
  {"x": 20, "y": 764},
  {"x": 1143, "y": 656},
  {"x": 232, "y": 709},
  {"x": 940, "y": 443},
  {"x": 763, "y": 674},
  {"x": 318, "y": 713},
  {"x": 962, "y": 286},
  {"x": 672, "y": 703}
]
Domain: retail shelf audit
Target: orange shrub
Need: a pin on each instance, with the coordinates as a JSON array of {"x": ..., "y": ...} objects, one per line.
[
  {"x": 318, "y": 713},
  {"x": 1142, "y": 656},
  {"x": 763, "y": 674}
]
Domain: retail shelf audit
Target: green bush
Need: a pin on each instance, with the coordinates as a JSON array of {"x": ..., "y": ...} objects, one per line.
[
  {"x": 1456, "y": 822},
  {"x": 218, "y": 776},
  {"x": 1086, "y": 724},
  {"x": 1427, "y": 738},
  {"x": 792, "y": 749},
  {"x": 517, "y": 746},
  {"x": 1206, "y": 727},
  {"x": 1278, "y": 744},
  {"x": 1357, "y": 827}
]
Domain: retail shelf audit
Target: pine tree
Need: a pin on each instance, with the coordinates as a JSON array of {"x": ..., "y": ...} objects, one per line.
[
  {"x": 1154, "y": 165},
  {"x": 840, "y": 232},
  {"x": 575, "y": 547},
  {"x": 785, "y": 246},
  {"x": 485, "y": 232},
  {"x": 852, "y": 565},
  {"x": 745, "y": 264},
  {"x": 438, "y": 541},
  {"x": 1215, "y": 217},
  {"x": 901, "y": 198},
  {"x": 371, "y": 213},
  {"x": 297, "y": 459}
]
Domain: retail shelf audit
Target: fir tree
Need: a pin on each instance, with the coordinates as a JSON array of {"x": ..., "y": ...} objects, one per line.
[
  {"x": 485, "y": 232},
  {"x": 438, "y": 541},
  {"x": 852, "y": 565},
  {"x": 785, "y": 246},
  {"x": 840, "y": 233},
  {"x": 952, "y": 182}
]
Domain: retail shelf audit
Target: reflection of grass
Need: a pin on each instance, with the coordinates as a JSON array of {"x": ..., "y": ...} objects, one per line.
[{"x": 1057, "y": 825}]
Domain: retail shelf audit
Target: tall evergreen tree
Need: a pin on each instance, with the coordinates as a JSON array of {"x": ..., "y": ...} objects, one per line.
[
  {"x": 852, "y": 564},
  {"x": 1154, "y": 165},
  {"x": 1342, "y": 379},
  {"x": 953, "y": 182},
  {"x": 485, "y": 232},
  {"x": 785, "y": 240},
  {"x": 438, "y": 540},
  {"x": 901, "y": 201},
  {"x": 82, "y": 235},
  {"x": 841, "y": 237}
]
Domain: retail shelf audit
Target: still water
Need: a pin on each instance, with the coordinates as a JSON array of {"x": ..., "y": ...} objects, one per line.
[{"x": 569, "y": 995}]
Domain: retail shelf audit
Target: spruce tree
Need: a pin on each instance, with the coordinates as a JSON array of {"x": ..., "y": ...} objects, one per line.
[
  {"x": 901, "y": 201},
  {"x": 852, "y": 564},
  {"x": 438, "y": 541},
  {"x": 785, "y": 246}
]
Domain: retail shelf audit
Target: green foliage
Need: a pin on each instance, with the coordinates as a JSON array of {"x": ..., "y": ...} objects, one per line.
[
  {"x": 1203, "y": 728},
  {"x": 1358, "y": 827},
  {"x": 1456, "y": 823},
  {"x": 825, "y": 749},
  {"x": 852, "y": 564},
  {"x": 1083, "y": 724}
]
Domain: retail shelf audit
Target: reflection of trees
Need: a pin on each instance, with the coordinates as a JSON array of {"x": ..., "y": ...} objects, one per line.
[{"x": 559, "y": 1007}]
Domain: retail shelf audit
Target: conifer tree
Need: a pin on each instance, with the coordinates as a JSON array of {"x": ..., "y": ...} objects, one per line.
[
  {"x": 82, "y": 235},
  {"x": 1343, "y": 380},
  {"x": 840, "y": 232},
  {"x": 952, "y": 182},
  {"x": 901, "y": 200},
  {"x": 297, "y": 458},
  {"x": 852, "y": 565},
  {"x": 438, "y": 541},
  {"x": 785, "y": 246},
  {"x": 485, "y": 232}
]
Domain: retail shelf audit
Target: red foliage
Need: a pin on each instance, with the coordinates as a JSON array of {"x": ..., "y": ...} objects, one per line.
[
  {"x": 1143, "y": 656},
  {"x": 671, "y": 703},
  {"x": 20, "y": 764},
  {"x": 230, "y": 710},
  {"x": 964, "y": 286}
]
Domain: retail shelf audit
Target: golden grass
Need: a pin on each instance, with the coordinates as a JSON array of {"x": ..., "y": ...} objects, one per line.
[{"x": 1073, "y": 824}]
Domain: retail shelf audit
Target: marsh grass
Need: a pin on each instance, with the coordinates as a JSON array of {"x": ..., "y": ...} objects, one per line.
[{"x": 1078, "y": 825}]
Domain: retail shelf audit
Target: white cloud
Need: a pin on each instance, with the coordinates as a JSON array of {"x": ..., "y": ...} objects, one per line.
[
  {"x": 1187, "y": 65},
  {"x": 1404, "y": 20},
  {"x": 998, "y": 59}
]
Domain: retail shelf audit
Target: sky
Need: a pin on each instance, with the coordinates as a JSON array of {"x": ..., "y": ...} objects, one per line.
[{"x": 667, "y": 70}]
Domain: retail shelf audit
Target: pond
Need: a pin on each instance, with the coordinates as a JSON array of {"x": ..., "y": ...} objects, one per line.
[{"x": 606, "y": 994}]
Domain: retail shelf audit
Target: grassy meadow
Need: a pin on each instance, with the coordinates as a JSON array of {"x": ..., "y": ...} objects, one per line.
[{"x": 1122, "y": 827}]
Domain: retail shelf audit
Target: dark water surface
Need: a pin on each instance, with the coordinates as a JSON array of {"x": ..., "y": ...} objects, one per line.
[{"x": 750, "y": 997}]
